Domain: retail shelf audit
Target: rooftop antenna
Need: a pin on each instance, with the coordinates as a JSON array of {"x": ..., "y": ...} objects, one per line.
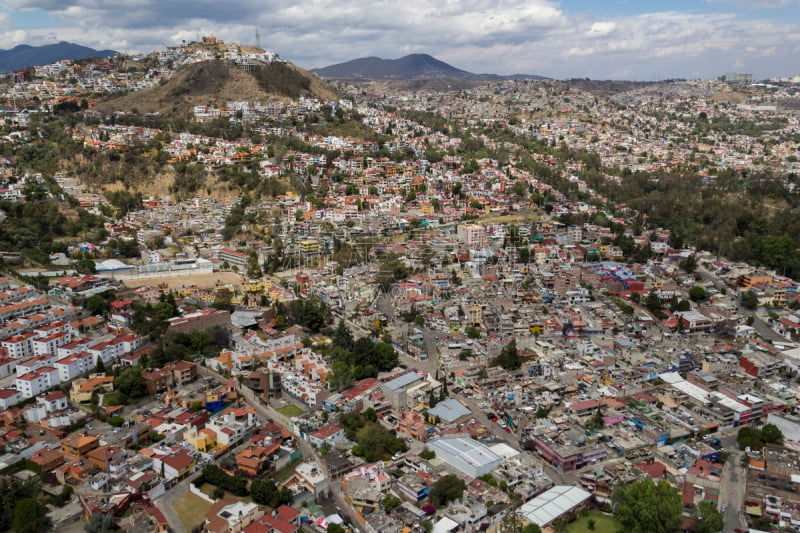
[{"x": 258, "y": 39}]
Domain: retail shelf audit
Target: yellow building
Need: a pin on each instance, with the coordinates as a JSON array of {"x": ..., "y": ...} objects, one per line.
[
  {"x": 750, "y": 280},
  {"x": 83, "y": 388},
  {"x": 309, "y": 246},
  {"x": 475, "y": 315},
  {"x": 204, "y": 440}
]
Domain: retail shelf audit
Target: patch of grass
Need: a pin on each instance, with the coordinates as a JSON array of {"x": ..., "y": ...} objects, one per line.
[
  {"x": 290, "y": 410},
  {"x": 603, "y": 523},
  {"x": 191, "y": 509},
  {"x": 208, "y": 490},
  {"x": 282, "y": 475}
]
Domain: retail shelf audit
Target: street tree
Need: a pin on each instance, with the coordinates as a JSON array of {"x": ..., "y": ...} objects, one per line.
[
  {"x": 771, "y": 434},
  {"x": 697, "y": 293},
  {"x": 749, "y": 300},
  {"x": 707, "y": 518}
]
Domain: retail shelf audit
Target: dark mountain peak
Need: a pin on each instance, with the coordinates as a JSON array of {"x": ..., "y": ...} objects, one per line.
[
  {"x": 23, "y": 55},
  {"x": 427, "y": 58},
  {"x": 412, "y": 66},
  {"x": 407, "y": 67}
]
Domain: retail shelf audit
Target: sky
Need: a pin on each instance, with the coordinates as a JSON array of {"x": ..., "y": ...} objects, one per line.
[{"x": 600, "y": 39}]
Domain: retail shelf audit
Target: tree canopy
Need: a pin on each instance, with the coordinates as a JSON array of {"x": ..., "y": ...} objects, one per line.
[
  {"x": 697, "y": 293},
  {"x": 12, "y": 490},
  {"x": 707, "y": 518},
  {"x": 30, "y": 516},
  {"x": 131, "y": 383},
  {"x": 646, "y": 507},
  {"x": 509, "y": 357},
  {"x": 446, "y": 489},
  {"x": 749, "y": 436},
  {"x": 266, "y": 492}
]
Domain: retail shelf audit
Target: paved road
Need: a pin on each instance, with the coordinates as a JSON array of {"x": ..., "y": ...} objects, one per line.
[
  {"x": 734, "y": 480},
  {"x": 761, "y": 327},
  {"x": 166, "y": 504}
]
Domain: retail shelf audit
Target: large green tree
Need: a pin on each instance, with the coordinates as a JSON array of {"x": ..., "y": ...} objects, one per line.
[
  {"x": 376, "y": 443},
  {"x": 131, "y": 383},
  {"x": 646, "y": 507},
  {"x": 13, "y": 490},
  {"x": 697, "y": 293},
  {"x": 772, "y": 434},
  {"x": 707, "y": 518},
  {"x": 509, "y": 357},
  {"x": 446, "y": 489},
  {"x": 749, "y": 300},
  {"x": 30, "y": 516},
  {"x": 342, "y": 336},
  {"x": 266, "y": 492}
]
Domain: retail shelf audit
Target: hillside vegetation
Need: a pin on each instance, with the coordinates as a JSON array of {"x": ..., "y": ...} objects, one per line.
[{"x": 216, "y": 82}]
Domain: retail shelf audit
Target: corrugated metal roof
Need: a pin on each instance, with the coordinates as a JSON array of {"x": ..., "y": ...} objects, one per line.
[
  {"x": 551, "y": 504},
  {"x": 403, "y": 381}
]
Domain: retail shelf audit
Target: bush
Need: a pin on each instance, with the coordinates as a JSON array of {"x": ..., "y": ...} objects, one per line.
[
  {"x": 390, "y": 502},
  {"x": 236, "y": 485},
  {"x": 113, "y": 399}
]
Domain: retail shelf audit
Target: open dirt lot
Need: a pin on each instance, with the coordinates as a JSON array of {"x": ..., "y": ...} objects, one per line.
[{"x": 174, "y": 282}]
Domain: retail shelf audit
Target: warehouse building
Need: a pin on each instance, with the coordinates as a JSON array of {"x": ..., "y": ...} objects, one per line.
[
  {"x": 466, "y": 455},
  {"x": 552, "y": 504}
]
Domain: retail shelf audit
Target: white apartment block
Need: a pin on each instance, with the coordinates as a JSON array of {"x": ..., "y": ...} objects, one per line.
[
  {"x": 9, "y": 398},
  {"x": 34, "y": 363},
  {"x": 19, "y": 346},
  {"x": 75, "y": 347},
  {"x": 73, "y": 366},
  {"x": 33, "y": 383},
  {"x": 51, "y": 343}
]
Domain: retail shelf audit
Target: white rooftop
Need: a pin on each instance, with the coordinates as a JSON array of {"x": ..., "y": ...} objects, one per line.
[
  {"x": 551, "y": 504},
  {"x": 504, "y": 450},
  {"x": 445, "y": 525},
  {"x": 449, "y": 410},
  {"x": 466, "y": 450}
]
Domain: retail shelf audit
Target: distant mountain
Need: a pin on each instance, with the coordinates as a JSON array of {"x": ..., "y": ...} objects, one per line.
[
  {"x": 24, "y": 55},
  {"x": 414, "y": 66}
]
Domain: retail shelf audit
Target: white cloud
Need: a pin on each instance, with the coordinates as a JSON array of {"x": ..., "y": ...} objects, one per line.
[
  {"x": 6, "y": 21},
  {"x": 502, "y": 36},
  {"x": 601, "y": 29}
]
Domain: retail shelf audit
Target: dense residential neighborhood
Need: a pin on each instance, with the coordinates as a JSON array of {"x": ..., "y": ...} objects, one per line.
[{"x": 396, "y": 311}]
